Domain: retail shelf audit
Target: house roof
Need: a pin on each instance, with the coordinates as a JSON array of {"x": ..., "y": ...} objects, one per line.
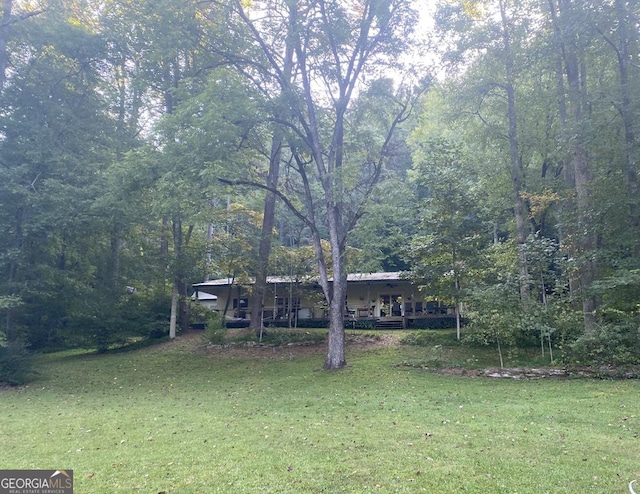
[
  {"x": 351, "y": 278},
  {"x": 371, "y": 277}
]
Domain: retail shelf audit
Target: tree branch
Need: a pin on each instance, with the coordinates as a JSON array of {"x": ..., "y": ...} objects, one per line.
[{"x": 280, "y": 195}]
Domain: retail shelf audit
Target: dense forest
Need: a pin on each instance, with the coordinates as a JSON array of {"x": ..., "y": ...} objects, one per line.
[{"x": 488, "y": 148}]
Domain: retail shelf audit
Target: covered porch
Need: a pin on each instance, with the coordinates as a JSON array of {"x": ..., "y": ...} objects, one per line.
[{"x": 378, "y": 300}]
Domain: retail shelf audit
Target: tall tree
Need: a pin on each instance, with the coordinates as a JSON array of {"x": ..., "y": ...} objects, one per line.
[
  {"x": 336, "y": 47},
  {"x": 493, "y": 32},
  {"x": 564, "y": 14},
  {"x": 275, "y": 156},
  {"x": 618, "y": 29},
  {"x": 446, "y": 245},
  {"x": 56, "y": 136},
  {"x": 171, "y": 66}
]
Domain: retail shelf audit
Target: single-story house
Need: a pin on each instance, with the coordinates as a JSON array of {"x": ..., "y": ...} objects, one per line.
[{"x": 389, "y": 300}]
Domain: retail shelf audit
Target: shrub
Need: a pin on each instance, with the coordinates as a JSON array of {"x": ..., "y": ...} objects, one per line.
[
  {"x": 16, "y": 363},
  {"x": 430, "y": 338},
  {"x": 436, "y": 323},
  {"x": 215, "y": 331},
  {"x": 611, "y": 344},
  {"x": 301, "y": 323},
  {"x": 145, "y": 313},
  {"x": 280, "y": 337},
  {"x": 496, "y": 316}
]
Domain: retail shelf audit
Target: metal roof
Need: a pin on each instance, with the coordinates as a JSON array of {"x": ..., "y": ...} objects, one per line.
[{"x": 351, "y": 278}]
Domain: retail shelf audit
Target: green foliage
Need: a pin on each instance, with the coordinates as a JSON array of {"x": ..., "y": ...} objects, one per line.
[
  {"x": 215, "y": 327},
  {"x": 616, "y": 343},
  {"x": 436, "y": 323},
  {"x": 619, "y": 292},
  {"x": 99, "y": 328},
  {"x": 103, "y": 324},
  {"x": 495, "y": 316},
  {"x": 16, "y": 363},
  {"x": 430, "y": 338},
  {"x": 444, "y": 251},
  {"x": 146, "y": 312},
  {"x": 280, "y": 337},
  {"x": 9, "y": 301}
]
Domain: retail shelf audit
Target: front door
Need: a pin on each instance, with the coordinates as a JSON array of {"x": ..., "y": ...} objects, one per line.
[{"x": 390, "y": 305}]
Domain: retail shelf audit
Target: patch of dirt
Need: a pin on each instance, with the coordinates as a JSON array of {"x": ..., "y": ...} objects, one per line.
[
  {"x": 292, "y": 350},
  {"x": 193, "y": 341},
  {"x": 188, "y": 341}
]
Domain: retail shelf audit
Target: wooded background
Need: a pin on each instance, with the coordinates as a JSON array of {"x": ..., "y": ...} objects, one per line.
[{"x": 491, "y": 152}]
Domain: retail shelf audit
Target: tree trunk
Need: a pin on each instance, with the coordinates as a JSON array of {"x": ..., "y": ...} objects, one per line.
[
  {"x": 268, "y": 222},
  {"x": 516, "y": 165},
  {"x": 114, "y": 256},
  {"x": 630, "y": 172},
  {"x": 183, "y": 304},
  {"x": 458, "y": 320},
  {"x": 175, "y": 294},
  {"x": 568, "y": 205},
  {"x": 229, "y": 296},
  {"x": 209, "y": 238},
  {"x": 456, "y": 286},
  {"x": 335, "y": 348},
  {"x": 587, "y": 243},
  {"x": 575, "y": 76}
]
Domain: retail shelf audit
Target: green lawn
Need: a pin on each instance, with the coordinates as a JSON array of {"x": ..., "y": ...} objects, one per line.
[{"x": 174, "y": 420}]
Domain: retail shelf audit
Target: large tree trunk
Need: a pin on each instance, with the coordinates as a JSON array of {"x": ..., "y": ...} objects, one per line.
[
  {"x": 335, "y": 347},
  {"x": 175, "y": 292},
  {"x": 586, "y": 244}
]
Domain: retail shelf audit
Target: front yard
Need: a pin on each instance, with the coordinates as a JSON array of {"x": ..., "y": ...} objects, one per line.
[{"x": 181, "y": 418}]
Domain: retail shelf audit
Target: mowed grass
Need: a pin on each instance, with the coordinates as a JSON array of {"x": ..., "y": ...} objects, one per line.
[{"x": 175, "y": 419}]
